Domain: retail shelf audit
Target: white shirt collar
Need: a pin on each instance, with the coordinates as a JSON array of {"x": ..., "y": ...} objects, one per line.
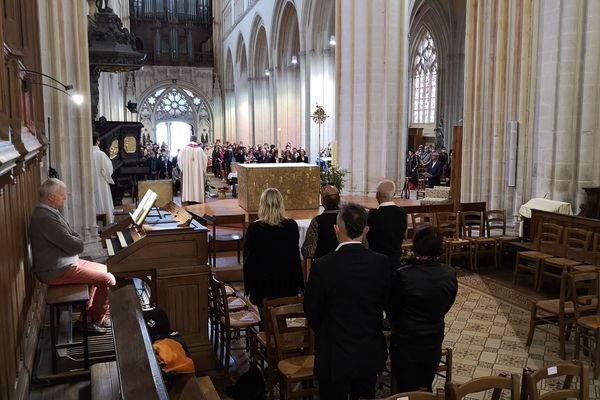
[
  {"x": 386, "y": 204},
  {"x": 345, "y": 243},
  {"x": 46, "y": 206}
]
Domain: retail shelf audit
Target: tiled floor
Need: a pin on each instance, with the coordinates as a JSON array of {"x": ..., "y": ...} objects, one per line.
[{"x": 487, "y": 328}]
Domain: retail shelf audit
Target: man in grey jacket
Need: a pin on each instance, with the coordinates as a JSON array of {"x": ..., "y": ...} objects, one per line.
[{"x": 56, "y": 247}]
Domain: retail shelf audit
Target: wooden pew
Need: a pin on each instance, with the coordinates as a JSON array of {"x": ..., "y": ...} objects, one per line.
[{"x": 136, "y": 373}]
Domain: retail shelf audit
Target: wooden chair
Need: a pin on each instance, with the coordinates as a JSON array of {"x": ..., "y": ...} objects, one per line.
[
  {"x": 546, "y": 246},
  {"x": 422, "y": 182},
  {"x": 416, "y": 396},
  {"x": 252, "y": 217},
  {"x": 294, "y": 347},
  {"x": 232, "y": 229},
  {"x": 448, "y": 224},
  {"x": 574, "y": 252},
  {"x": 556, "y": 312},
  {"x": 445, "y": 368},
  {"x": 585, "y": 289},
  {"x": 230, "y": 325},
  {"x": 265, "y": 352},
  {"x": 417, "y": 220},
  {"x": 530, "y": 388},
  {"x": 495, "y": 221},
  {"x": 494, "y": 383},
  {"x": 473, "y": 229}
]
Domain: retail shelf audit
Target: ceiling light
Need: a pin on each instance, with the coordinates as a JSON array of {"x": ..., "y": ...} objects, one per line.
[
  {"x": 267, "y": 72},
  {"x": 332, "y": 40},
  {"x": 294, "y": 60}
]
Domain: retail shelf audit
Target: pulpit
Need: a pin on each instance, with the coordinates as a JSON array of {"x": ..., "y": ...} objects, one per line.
[{"x": 299, "y": 183}]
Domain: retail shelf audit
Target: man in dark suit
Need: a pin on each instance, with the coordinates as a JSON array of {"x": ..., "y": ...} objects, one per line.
[
  {"x": 345, "y": 296},
  {"x": 166, "y": 166},
  {"x": 387, "y": 224},
  {"x": 434, "y": 169}
]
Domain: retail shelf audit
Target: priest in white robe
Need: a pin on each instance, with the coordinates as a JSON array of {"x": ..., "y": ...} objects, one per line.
[
  {"x": 102, "y": 170},
  {"x": 192, "y": 162}
]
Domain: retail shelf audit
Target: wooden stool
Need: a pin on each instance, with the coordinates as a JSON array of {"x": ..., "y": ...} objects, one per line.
[{"x": 68, "y": 295}]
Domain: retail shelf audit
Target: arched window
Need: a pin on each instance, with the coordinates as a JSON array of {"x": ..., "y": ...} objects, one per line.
[
  {"x": 424, "y": 80},
  {"x": 176, "y": 104}
]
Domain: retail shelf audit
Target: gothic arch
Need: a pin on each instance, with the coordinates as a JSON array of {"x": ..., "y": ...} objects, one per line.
[
  {"x": 287, "y": 65},
  {"x": 319, "y": 23},
  {"x": 259, "y": 48},
  {"x": 170, "y": 102},
  {"x": 285, "y": 35}
]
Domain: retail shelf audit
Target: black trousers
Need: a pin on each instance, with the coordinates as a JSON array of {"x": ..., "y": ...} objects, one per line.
[
  {"x": 414, "y": 365},
  {"x": 363, "y": 388}
]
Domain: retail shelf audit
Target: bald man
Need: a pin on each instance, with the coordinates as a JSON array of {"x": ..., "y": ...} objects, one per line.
[
  {"x": 387, "y": 224},
  {"x": 320, "y": 236}
]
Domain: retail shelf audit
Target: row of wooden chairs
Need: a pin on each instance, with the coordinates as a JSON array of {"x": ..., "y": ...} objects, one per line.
[
  {"x": 285, "y": 349},
  {"x": 558, "y": 249},
  {"x": 467, "y": 234},
  {"x": 231, "y": 319},
  {"x": 576, "y": 310},
  {"x": 527, "y": 388}
]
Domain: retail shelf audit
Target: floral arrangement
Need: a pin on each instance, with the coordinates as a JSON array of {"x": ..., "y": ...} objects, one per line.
[{"x": 334, "y": 176}]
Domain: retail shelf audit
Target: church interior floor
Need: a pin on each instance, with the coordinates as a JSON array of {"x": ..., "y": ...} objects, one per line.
[{"x": 487, "y": 326}]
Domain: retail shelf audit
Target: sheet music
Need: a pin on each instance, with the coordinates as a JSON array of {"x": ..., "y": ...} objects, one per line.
[{"x": 140, "y": 213}]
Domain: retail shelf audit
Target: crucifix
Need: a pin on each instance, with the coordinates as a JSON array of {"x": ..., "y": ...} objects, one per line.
[{"x": 319, "y": 116}]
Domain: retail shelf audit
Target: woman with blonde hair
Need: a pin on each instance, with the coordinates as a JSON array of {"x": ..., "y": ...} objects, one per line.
[{"x": 271, "y": 252}]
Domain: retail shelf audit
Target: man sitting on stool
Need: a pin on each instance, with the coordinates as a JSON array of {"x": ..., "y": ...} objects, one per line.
[{"x": 56, "y": 247}]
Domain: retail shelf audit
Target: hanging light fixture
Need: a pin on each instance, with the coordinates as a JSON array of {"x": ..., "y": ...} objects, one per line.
[
  {"x": 332, "y": 40},
  {"x": 267, "y": 72},
  {"x": 294, "y": 60}
]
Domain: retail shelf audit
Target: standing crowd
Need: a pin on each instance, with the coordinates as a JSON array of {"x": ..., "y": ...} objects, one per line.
[{"x": 357, "y": 281}]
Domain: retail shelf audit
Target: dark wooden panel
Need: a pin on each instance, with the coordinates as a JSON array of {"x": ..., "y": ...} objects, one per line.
[
  {"x": 140, "y": 375},
  {"x": 566, "y": 221}
]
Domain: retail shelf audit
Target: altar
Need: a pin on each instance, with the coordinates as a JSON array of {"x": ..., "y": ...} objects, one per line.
[{"x": 299, "y": 183}]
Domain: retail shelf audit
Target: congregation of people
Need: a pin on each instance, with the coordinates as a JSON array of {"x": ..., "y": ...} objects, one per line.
[
  {"x": 357, "y": 277},
  {"x": 358, "y": 286},
  {"x": 434, "y": 165}
]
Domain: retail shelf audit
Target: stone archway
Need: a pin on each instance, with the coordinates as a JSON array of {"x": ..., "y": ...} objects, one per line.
[{"x": 176, "y": 103}]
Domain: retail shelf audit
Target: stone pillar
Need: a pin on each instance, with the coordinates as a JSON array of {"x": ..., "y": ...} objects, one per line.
[
  {"x": 64, "y": 44},
  {"x": 499, "y": 87},
  {"x": 566, "y": 116},
  {"x": 372, "y": 102}
]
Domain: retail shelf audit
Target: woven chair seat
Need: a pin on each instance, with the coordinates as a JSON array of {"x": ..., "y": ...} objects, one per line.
[
  {"x": 235, "y": 303},
  {"x": 534, "y": 255},
  {"x": 561, "y": 262},
  {"x": 242, "y": 319},
  {"x": 553, "y": 306},
  {"x": 589, "y": 322},
  {"x": 298, "y": 367}
]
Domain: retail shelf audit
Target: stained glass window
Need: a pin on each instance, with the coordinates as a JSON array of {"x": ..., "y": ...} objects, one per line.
[{"x": 424, "y": 80}]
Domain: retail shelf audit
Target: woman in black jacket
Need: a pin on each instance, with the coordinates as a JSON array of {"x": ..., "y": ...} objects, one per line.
[
  {"x": 272, "y": 253},
  {"x": 422, "y": 293}
]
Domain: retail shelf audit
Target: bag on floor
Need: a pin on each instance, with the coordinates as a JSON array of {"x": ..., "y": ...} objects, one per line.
[{"x": 249, "y": 386}]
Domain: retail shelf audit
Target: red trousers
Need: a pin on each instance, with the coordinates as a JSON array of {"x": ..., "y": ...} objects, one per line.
[{"x": 95, "y": 275}]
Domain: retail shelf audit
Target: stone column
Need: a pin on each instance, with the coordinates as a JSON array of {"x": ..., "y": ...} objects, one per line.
[
  {"x": 499, "y": 87},
  {"x": 372, "y": 101},
  {"x": 566, "y": 115},
  {"x": 64, "y": 44}
]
